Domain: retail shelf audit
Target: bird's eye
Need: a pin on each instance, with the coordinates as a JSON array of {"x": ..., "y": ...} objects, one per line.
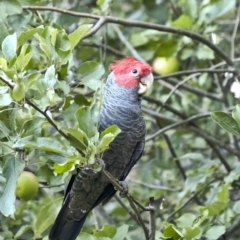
[{"x": 135, "y": 71}]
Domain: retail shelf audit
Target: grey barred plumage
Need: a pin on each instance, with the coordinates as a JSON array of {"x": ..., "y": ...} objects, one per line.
[{"x": 121, "y": 107}]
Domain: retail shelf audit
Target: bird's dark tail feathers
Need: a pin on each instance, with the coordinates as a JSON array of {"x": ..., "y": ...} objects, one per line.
[{"x": 64, "y": 229}]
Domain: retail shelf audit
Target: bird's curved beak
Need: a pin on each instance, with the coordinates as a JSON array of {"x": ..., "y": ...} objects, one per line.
[{"x": 145, "y": 83}]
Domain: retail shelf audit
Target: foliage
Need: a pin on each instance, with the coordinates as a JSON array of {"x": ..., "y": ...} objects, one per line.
[{"x": 52, "y": 71}]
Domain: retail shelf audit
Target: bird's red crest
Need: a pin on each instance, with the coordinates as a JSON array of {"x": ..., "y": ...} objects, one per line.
[{"x": 122, "y": 69}]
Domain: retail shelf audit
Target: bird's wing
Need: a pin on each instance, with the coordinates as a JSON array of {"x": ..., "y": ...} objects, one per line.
[
  {"x": 109, "y": 190},
  {"x": 137, "y": 153},
  {"x": 64, "y": 229}
]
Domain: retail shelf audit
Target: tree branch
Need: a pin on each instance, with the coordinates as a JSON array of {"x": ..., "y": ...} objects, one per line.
[
  {"x": 152, "y": 186},
  {"x": 152, "y": 219},
  {"x": 177, "y": 124},
  {"x": 186, "y": 72},
  {"x": 140, "y": 24}
]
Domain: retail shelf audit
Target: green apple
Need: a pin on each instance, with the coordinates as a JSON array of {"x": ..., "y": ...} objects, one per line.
[
  {"x": 164, "y": 66},
  {"x": 27, "y": 186}
]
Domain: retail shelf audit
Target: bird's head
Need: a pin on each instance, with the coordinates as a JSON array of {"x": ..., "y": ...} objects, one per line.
[{"x": 131, "y": 73}]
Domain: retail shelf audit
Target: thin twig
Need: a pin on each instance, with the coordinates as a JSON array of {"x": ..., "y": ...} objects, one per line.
[
  {"x": 194, "y": 90},
  {"x": 53, "y": 186},
  {"x": 133, "y": 216},
  {"x": 190, "y": 199},
  {"x": 182, "y": 206},
  {"x": 153, "y": 186},
  {"x": 186, "y": 72},
  {"x": 96, "y": 27},
  {"x": 128, "y": 45},
  {"x": 105, "y": 47},
  {"x": 173, "y": 153},
  {"x": 177, "y": 124}
]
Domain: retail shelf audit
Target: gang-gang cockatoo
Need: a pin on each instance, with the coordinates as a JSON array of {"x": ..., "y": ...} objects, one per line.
[{"x": 121, "y": 105}]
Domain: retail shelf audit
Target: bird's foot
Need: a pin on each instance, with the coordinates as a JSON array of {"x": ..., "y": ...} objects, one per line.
[{"x": 124, "y": 191}]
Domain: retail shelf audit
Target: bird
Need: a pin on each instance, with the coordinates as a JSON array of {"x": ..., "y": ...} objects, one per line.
[{"x": 128, "y": 81}]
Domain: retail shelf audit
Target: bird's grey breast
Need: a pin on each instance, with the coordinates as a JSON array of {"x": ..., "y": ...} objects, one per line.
[{"x": 128, "y": 117}]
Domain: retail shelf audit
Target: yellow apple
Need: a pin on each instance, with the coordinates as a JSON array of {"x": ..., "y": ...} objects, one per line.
[
  {"x": 164, "y": 66},
  {"x": 27, "y": 186}
]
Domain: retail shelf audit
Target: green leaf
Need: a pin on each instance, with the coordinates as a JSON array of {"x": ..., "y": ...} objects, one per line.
[
  {"x": 92, "y": 150},
  {"x": 214, "y": 208},
  {"x": 50, "y": 78},
  {"x": 23, "y": 229},
  {"x": 183, "y": 21},
  {"x": 204, "y": 52},
  {"x": 3, "y": 89},
  {"x": 231, "y": 177},
  {"x": 90, "y": 73},
  {"x": 76, "y": 36},
  {"x": 67, "y": 103},
  {"x": 81, "y": 100},
  {"x": 77, "y": 137},
  {"x": 11, "y": 170},
  {"x": 190, "y": 233},
  {"x": 23, "y": 60},
  {"x": 3, "y": 31},
  {"x": 87, "y": 117},
  {"x": 63, "y": 86},
  {"x": 106, "y": 231},
  {"x": 139, "y": 39},
  {"x": 220, "y": 204},
  {"x": 2, "y": 182},
  {"x": 4, "y": 129},
  {"x": 24, "y": 36},
  {"x": 223, "y": 194},
  {"x": 236, "y": 207},
  {"x": 215, "y": 232},
  {"x": 18, "y": 92},
  {"x": 200, "y": 219},
  {"x": 170, "y": 231},
  {"x": 5, "y": 99},
  {"x": 185, "y": 220},
  {"x": 86, "y": 236},
  {"x": 236, "y": 114},
  {"x": 62, "y": 168},
  {"x": 63, "y": 46},
  {"x": 107, "y": 136},
  {"x": 226, "y": 122},
  {"x": 57, "y": 158},
  {"x": 46, "y": 215},
  {"x": 193, "y": 181},
  {"x": 215, "y": 9},
  {"x": 31, "y": 126},
  {"x": 9, "y": 46},
  {"x": 45, "y": 144},
  {"x": 192, "y": 156},
  {"x": 191, "y": 8},
  {"x": 121, "y": 232},
  {"x": 104, "y": 4},
  {"x": 9, "y": 7}
]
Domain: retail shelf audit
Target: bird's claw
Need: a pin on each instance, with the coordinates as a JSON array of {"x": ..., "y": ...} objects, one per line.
[{"x": 124, "y": 191}]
